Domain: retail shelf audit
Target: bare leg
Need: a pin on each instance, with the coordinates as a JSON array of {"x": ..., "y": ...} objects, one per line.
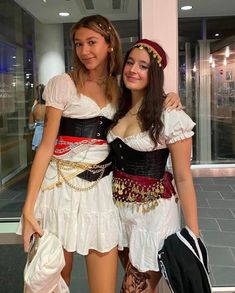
[
  {"x": 102, "y": 271},
  {"x": 66, "y": 272},
  {"x": 124, "y": 257},
  {"x": 138, "y": 282}
]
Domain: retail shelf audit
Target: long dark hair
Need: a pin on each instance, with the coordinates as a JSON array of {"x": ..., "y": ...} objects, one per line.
[
  {"x": 150, "y": 111},
  {"x": 39, "y": 91}
]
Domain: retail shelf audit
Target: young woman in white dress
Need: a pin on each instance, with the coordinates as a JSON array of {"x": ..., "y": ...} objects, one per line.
[
  {"x": 142, "y": 136},
  {"x": 70, "y": 184}
]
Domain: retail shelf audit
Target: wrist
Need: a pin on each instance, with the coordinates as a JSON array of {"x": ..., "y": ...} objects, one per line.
[
  {"x": 194, "y": 231},
  {"x": 27, "y": 211}
]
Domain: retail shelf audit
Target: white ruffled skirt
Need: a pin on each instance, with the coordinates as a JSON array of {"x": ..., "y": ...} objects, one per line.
[
  {"x": 82, "y": 220},
  {"x": 144, "y": 234}
]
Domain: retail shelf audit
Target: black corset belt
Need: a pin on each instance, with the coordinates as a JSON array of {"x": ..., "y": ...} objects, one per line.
[
  {"x": 96, "y": 127},
  {"x": 88, "y": 175},
  {"x": 150, "y": 164}
]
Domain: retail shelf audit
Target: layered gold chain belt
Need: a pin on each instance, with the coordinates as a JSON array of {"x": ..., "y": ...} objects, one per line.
[{"x": 65, "y": 165}]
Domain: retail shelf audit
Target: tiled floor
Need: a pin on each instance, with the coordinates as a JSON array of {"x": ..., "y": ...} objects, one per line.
[
  {"x": 12, "y": 260},
  {"x": 216, "y": 209}
]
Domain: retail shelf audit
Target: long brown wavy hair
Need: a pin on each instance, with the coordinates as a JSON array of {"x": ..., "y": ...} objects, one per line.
[
  {"x": 104, "y": 27},
  {"x": 149, "y": 114}
]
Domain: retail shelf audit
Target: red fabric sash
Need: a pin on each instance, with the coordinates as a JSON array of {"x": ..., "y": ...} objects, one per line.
[
  {"x": 64, "y": 144},
  {"x": 141, "y": 188}
]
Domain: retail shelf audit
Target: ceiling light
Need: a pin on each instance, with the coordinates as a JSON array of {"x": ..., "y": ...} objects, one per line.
[
  {"x": 64, "y": 14},
  {"x": 225, "y": 62},
  {"x": 45, "y": 1},
  {"x": 194, "y": 68},
  {"x": 213, "y": 64},
  {"x": 217, "y": 34},
  {"x": 187, "y": 7},
  {"x": 210, "y": 59},
  {"x": 227, "y": 52}
]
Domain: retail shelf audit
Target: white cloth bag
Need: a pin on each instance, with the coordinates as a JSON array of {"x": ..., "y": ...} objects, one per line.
[{"x": 44, "y": 265}]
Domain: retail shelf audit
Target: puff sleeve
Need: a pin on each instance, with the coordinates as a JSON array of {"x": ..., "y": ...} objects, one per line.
[
  {"x": 177, "y": 126},
  {"x": 58, "y": 91}
]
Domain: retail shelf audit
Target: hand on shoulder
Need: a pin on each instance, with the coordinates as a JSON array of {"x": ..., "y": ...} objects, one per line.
[{"x": 172, "y": 101}]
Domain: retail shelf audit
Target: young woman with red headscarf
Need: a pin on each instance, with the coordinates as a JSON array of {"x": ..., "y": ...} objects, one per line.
[{"x": 141, "y": 138}]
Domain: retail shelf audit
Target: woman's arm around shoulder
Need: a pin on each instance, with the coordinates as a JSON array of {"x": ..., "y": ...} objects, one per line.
[
  {"x": 37, "y": 173},
  {"x": 172, "y": 101}
]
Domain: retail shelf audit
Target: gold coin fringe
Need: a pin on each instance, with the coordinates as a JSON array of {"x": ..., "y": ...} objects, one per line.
[
  {"x": 138, "y": 197},
  {"x": 150, "y": 49}
]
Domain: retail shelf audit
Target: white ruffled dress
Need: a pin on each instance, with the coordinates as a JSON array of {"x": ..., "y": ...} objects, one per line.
[
  {"x": 82, "y": 220},
  {"x": 144, "y": 233}
]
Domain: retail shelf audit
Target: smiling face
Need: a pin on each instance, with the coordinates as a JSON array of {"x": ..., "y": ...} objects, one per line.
[
  {"x": 135, "y": 71},
  {"x": 91, "y": 49}
]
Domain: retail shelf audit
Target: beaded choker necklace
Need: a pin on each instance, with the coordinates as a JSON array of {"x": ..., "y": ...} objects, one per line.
[{"x": 99, "y": 80}]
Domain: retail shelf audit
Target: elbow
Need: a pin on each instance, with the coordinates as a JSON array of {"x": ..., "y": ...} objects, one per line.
[
  {"x": 46, "y": 149},
  {"x": 183, "y": 177}
]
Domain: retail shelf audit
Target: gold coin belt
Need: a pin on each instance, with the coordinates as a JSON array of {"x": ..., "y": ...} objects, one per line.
[{"x": 144, "y": 197}]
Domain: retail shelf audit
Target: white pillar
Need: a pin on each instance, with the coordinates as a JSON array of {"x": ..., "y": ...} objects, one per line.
[
  {"x": 189, "y": 66},
  {"x": 204, "y": 105},
  {"x": 160, "y": 23},
  {"x": 49, "y": 47}
]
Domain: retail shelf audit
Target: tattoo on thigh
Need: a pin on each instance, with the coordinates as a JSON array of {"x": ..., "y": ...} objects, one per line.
[{"x": 135, "y": 281}]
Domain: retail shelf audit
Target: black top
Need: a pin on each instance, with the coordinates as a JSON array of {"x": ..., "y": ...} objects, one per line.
[
  {"x": 133, "y": 162},
  {"x": 181, "y": 265},
  {"x": 96, "y": 127}
]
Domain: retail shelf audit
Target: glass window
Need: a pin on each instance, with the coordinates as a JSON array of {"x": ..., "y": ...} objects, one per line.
[
  {"x": 206, "y": 85},
  {"x": 16, "y": 97},
  {"x": 31, "y": 48}
]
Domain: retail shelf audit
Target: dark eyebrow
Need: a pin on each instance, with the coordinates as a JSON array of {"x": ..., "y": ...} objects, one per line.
[
  {"x": 141, "y": 61},
  {"x": 88, "y": 39}
]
